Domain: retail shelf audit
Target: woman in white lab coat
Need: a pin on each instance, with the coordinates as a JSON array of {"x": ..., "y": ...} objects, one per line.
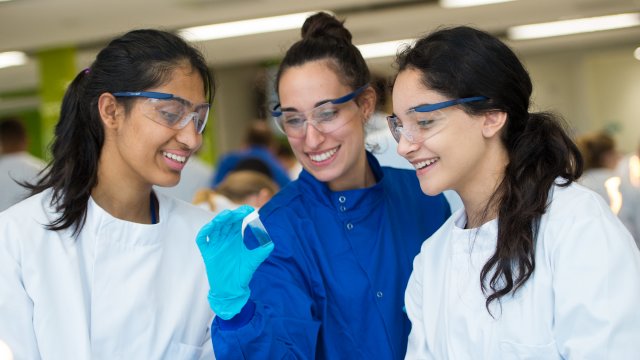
[
  {"x": 534, "y": 266},
  {"x": 95, "y": 264}
]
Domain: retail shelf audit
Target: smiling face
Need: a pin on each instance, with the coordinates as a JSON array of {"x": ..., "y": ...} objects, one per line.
[
  {"x": 455, "y": 155},
  {"x": 338, "y": 157},
  {"x": 144, "y": 152}
]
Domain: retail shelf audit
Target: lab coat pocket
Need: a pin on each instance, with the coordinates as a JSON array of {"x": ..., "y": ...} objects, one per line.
[
  {"x": 180, "y": 351},
  {"x": 514, "y": 351}
]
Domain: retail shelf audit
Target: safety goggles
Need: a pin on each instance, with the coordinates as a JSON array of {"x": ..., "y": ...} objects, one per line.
[
  {"x": 170, "y": 110},
  {"x": 325, "y": 117},
  {"x": 424, "y": 121}
]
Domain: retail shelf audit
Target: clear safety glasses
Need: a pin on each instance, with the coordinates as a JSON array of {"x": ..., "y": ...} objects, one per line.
[
  {"x": 170, "y": 110},
  {"x": 424, "y": 121},
  {"x": 324, "y": 117}
]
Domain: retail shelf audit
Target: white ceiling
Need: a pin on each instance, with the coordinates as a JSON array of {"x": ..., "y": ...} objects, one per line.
[{"x": 34, "y": 25}]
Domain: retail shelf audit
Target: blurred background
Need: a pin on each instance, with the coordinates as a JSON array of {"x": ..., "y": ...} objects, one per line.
[{"x": 589, "y": 73}]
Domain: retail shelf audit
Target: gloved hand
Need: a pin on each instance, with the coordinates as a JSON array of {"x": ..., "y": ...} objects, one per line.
[{"x": 230, "y": 265}]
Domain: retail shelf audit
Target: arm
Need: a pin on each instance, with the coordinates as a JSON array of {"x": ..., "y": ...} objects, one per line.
[
  {"x": 279, "y": 323},
  {"x": 16, "y": 308},
  {"x": 596, "y": 271}
]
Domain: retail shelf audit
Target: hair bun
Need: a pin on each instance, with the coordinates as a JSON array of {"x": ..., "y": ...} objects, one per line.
[{"x": 324, "y": 25}]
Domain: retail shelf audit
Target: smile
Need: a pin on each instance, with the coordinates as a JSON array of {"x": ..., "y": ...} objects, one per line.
[
  {"x": 174, "y": 157},
  {"x": 423, "y": 164},
  {"x": 323, "y": 156}
]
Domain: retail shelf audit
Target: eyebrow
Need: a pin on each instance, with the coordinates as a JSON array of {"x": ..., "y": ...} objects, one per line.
[
  {"x": 321, "y": 102},
  {"x": 188, "y": 103}
]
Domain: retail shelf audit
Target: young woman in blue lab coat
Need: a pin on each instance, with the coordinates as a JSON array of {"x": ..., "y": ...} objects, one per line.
[
  {"x": 344, "y": 234},
  {"x": 95, "y": 264},
  {"x": 534, "y": 266}
]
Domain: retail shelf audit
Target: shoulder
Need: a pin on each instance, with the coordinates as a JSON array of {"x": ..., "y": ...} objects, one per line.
[
  {"x": 287, "y": 199},
  {"x": 33, "y": 208},
  {"x": 24, "y": 224},
  {"x": 574, "y": 201},
  {"x": 577, "y": 216}
]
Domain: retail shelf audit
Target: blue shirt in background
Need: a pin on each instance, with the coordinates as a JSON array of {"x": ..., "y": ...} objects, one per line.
[{"x": 229, "y": 161}]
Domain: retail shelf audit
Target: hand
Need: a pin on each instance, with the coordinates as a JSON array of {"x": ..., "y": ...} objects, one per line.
[{"x": 230, "y": 265}]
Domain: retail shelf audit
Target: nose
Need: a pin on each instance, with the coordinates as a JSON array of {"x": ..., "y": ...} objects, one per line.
[
  {"x": 406, "y": 147},
  {"x": 189, "y": 136},
  {"x": 313, "y": 137}
]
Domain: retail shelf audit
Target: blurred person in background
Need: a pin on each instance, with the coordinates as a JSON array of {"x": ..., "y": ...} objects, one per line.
[
  {"x": 288, "y": 159},
  {"x": 601, "y": 174},
  {"x": 258, "y": 144},
  {"x": 16, "y": 164},
  {"x": 344, "y": 234},
  {"x": 239, "y": 187},
  {"x": 629, "y": 168}
]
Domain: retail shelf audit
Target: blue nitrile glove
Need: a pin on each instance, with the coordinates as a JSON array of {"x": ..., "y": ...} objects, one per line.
[{"x": 230, "y": 265}]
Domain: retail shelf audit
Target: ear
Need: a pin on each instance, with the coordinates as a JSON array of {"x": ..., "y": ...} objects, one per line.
[
  {"x": 109, "y": 110},
  {"x": 367, "y": 102},
  {"x": 493, "y": 122}
]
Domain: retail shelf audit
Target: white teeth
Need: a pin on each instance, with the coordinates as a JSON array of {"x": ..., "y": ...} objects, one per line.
[
  {"x": 174, "y": 157},
  {"x": 324, "y": 156},
  {"x": 425, "y": 163}
]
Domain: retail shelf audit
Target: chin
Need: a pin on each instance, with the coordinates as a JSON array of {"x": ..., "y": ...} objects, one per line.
[
  {"x": 167, "y": 182},
  {"x": 429, "y": 188}
]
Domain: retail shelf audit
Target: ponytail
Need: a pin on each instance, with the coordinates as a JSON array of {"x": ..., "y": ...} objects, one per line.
[
  {"x": 76, "y": 149},
  {"x": 542, "y": 153}
]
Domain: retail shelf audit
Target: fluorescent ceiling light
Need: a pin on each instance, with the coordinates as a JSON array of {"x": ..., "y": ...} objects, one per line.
[
  {"x": 382, "y": 49},
  {"x": 245, "y": 27},
  {"x": 466, "y": 3},
  {"x": 12, "y": 58},
  {"x": 576, "y": 26}
]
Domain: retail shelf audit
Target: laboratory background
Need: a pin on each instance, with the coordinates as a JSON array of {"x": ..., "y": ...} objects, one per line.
[{"x": 583, "y": 57}]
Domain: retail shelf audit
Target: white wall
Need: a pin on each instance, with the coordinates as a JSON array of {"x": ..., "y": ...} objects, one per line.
[{"x": 592, "y": 89}]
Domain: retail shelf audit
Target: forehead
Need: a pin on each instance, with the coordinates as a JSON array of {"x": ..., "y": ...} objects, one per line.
[
  {"x": 303, "y": 86},
  {"x": 184, "y": 82},
  {"x": 409, "y": 91}
]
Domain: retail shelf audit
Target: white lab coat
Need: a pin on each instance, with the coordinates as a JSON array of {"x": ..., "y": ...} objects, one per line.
[
  {"x": 20, "y": 166},
  {"x": 121, "y": 290},
  {"x": 580, "y": 303}
]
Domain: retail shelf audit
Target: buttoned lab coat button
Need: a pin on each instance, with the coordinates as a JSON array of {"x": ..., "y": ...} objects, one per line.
[
  {"x": 379, "y": 294},
  {"x": 343, "y": 208},
  {"x": 349, "y": 226},
  {"x": 342, "y": 199}
]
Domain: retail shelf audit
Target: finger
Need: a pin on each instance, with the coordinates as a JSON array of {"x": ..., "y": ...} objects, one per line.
[
  {"x": 258, "y": 255},
  {"x": 202, "y": 239},
  {"x": 234, "y": 221}
]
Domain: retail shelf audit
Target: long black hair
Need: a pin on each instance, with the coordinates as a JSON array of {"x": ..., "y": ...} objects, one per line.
[
  {"x": 325, "y": 37},
  {"x": 463, "y": 62},
  {"x": 136, "y": 61}
]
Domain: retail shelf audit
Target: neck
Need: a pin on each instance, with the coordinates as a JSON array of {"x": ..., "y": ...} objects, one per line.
[
  {"x": 477, "y": 192},
  {"x": 364, "y": 179},
  {"x": 122, "y": 198}
]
